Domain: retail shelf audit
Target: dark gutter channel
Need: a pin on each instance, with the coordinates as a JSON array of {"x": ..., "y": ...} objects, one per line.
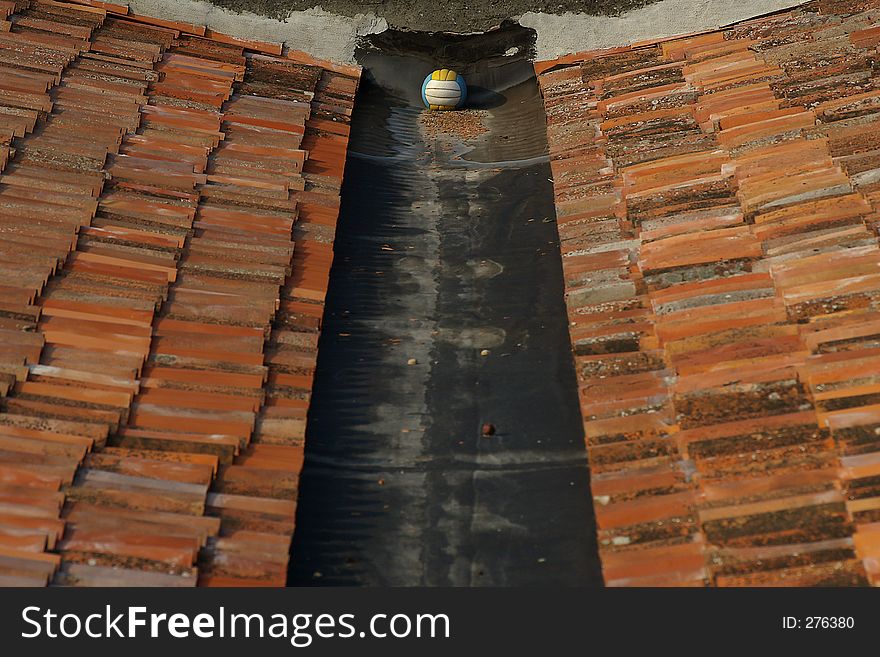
[{"x": 446, "y": 247}]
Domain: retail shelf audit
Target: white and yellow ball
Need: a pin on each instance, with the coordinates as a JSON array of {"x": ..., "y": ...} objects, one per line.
[{"x": 444, "y": 89}]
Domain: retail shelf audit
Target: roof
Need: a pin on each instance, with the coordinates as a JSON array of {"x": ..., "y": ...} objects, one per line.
[
  {"x": 168, "y": 200},
  {"x": 717, "y": 208}
]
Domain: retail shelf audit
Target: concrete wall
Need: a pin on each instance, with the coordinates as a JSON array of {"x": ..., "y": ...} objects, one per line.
[
  {"x": 315, "y": 31},
  {"x": 332, "y": 36},
  {"x": 560, "y": 35}
]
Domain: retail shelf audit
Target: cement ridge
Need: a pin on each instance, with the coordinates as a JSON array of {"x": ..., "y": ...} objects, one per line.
[{"x": 335, "y": 36}]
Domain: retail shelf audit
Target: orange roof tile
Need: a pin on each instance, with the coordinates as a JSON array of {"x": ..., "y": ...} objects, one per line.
[
  {"x": 151, "y": 182},
  {"x": 718, "y": 227}
]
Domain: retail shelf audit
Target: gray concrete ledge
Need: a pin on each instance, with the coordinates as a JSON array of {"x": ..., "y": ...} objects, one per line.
[{"x": 332, "y": 36}]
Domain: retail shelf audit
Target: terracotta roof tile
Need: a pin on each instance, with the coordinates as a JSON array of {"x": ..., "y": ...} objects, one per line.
[
  {"x": 718, "y": 233},
  {"x": 160, "y": 328}
]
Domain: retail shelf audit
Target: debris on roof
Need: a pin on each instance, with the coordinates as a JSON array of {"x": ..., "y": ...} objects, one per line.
[
  {"x": 168, "y": 200},
  {"x": 717, "y": 200}
]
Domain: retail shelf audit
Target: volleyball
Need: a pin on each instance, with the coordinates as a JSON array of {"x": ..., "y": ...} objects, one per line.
[{"x": 444, "y": 90}]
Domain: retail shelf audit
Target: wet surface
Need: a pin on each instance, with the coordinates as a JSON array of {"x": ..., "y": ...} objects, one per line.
[{"x": 446, "y": 312}]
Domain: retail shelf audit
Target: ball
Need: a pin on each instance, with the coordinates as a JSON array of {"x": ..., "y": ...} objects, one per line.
[{"x": 444, "y": 90}]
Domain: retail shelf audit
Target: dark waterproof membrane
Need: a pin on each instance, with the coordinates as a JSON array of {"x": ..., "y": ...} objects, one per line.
[{"x": 447, "y": 246}]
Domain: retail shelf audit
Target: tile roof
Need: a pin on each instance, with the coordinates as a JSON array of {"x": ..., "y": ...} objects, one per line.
[
  {"x": 168, "y": 200},
  {"x": 717, "y": 202}
]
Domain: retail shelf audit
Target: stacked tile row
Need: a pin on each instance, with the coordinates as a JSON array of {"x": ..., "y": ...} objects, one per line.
[
  {"x": 243, "y": 249},
  {"x": 716, "y": 217},
  {"x": 134, "y": 514},
  {"x": 149, "y": 345},
  {"x": 57, "y": 146},
  {"x": 256, "y": 495}
]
